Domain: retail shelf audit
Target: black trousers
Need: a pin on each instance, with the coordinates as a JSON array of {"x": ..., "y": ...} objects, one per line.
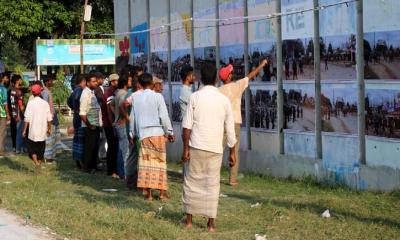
[
  {"x": 92, "y": 140},
  {"x": 13, "y": 132},
  {"x": 112, "y": 150}
]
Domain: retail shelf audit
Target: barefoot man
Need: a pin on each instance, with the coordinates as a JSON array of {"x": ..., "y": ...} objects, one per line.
[
  {"x": 234, "y": 91},
  {"x": 208, "y": 115},
  {"x": 151, "y": 124},
  {"x": 38, "y": 117}
]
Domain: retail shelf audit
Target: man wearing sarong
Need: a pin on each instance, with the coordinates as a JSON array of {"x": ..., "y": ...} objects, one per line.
[
  {"x": 79, "y": 132},
  {"x": 208, "y": 115},
  {"x": 234, "y": 91},
  {"x": 151, "y": 124},
  {"x": 53, "y": 141}
]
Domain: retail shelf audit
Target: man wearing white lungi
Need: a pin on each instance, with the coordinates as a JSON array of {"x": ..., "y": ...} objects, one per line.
[{"x": 208, "y": 114}]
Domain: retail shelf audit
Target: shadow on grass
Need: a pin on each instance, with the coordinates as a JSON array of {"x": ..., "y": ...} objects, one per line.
[
  {"x": 251, "y": 199},
  {"x": 121, "y": 199},
  {"x": 318, "y": 209},
  {"x": 14, "y": 165}
]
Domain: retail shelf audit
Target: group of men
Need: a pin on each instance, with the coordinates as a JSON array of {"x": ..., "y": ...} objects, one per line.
[
  {"x": 133, "y": 115},
  {"x": 25, "y": 119}
]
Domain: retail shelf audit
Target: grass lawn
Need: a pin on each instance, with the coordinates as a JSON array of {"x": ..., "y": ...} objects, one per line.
[{"x": 72, "y": 205}]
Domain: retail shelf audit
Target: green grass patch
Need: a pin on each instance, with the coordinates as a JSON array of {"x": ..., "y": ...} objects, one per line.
[{"x": 72, "y": 204}]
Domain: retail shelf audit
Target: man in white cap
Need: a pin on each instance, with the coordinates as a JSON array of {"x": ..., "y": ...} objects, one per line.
[
  {"x": 108, "y": 119},
  {"x": 158, "y": 85}
]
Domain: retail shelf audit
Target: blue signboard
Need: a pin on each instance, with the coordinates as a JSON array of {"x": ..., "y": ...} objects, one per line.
[{"x": 67, "y": 52}]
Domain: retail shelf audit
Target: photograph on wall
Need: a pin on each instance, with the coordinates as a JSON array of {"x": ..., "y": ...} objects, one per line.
[
  {"x": 138, "y": 43},
  {"x": 298, "y": 55},
  {"x": 382, "y": 55},
  {"x": 181, "y": 36},
  {"x": 176, "y": 110},
  {"x": 263, "y": 110},
  {"x": 338, "y": 58},
  {"x": 232, "y": 36},
  {"x": 338, "y": 41},
  {"x": 204, "y": 35},
  {"x": 298, "y": 107},
  {"x": 159, "y": 39},
  {"x": 382, "y": 107},
  {"x": 262, "y": 43},
  {"x": 339, "y": 108}
]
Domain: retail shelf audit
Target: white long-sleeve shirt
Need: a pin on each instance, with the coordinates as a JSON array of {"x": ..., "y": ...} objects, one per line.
[{"x": 208, "y": 114}]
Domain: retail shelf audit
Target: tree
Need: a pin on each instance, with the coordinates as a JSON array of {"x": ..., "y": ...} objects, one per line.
[
  {"x": 23, "y": 21},
  {"x": 60, "y": 89},
  {"x": 330, "y": 49}
]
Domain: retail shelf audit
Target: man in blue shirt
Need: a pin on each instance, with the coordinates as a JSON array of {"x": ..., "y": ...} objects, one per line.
[{"x": 151, "y": 124}]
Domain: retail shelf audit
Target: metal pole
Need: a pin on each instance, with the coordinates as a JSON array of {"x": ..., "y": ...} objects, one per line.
[
  {"x": 148, "y": 36},
  {"x": 246, "y": 71},
  {"x": 37, "y": 65},
  {"x": 81, "y": 36},
  {"x": 130, "y": 24},
  {"x": 361, "y": 81},
  {"x": 169, "y": 62},
  {"x": 191, "y": 34},
  {"x": 279, "y": 78},
  {"x": 217, "y": 38},
  {"x": 38, "y": 72},
  {"x": 129, "y": 15},
  {"x": 317, "y": 76}
]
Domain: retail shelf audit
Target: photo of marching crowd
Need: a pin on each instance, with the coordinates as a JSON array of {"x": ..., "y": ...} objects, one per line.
[
  {"x": 338, "y": 108},
  {"x": 263, "y": 109},
  {"x": 382, "y": 55},
  {"x": 382, "y": 108}
]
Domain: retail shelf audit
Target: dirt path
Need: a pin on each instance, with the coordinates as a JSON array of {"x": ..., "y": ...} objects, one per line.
[{"x": 14, "y": 228}]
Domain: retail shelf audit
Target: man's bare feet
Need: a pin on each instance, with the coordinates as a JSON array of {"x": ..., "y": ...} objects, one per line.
[
  {"x": 211, "y": 225},
  {"x": 164, "y": 196},
  {"x": 149, "y": 197},
  {"x": 234, "y": 183},
  {"x": 187, "y": 223}
]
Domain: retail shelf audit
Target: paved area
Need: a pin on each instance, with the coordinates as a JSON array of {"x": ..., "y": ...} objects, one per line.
[{"x": 15, "y": 228}]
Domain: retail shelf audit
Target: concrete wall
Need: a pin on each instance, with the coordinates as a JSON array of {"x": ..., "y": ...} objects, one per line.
[{"x": 339, "y": 163}]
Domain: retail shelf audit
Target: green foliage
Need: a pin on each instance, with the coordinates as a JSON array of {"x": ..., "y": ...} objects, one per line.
[
  {"x": 23, "y": 21},
  {"x": 60, "y": 91}
]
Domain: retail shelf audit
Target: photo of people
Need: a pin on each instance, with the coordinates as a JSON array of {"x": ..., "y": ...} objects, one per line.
[
  {"x": 382, "y": 55},
  {"x": 382, "y": 108},
  {"x": 298, "y": 108},
  {"x": 176, "y": 110}
]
